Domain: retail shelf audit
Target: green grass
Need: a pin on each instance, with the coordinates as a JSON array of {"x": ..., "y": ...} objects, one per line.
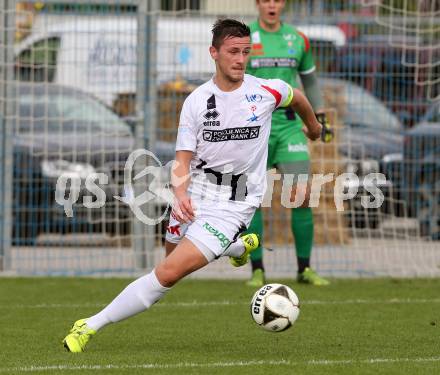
[{"x": 352, "y": 327}]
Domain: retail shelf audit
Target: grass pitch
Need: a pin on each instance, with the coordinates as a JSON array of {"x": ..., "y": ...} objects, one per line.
[{"x": 204, "y": 327}]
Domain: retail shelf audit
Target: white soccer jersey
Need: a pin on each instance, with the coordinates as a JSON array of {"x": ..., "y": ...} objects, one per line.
[{"x": 228, "y": 133}]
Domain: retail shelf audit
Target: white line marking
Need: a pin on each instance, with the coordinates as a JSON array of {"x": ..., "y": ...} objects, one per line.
[
  {"x": 145, "y": 366},
  {"x": 230, "y": 303},
  {"x": 319, "y": 362},
  {"x": 325, "y": 362},
  {"x": 366, "y": 301}
]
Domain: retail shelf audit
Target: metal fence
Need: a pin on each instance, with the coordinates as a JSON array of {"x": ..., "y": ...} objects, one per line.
[{"x": 85, "y": 83}]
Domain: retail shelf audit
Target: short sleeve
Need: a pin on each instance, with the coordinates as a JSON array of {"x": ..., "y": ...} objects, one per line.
[
  {"x": 187, "y": 131},
  {"x": 281, "y": 91},
  {"x": 307, "y": 64}
]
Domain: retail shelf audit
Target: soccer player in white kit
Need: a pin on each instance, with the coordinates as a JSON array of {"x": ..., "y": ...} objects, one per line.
[{"x": 219, "y": 175}]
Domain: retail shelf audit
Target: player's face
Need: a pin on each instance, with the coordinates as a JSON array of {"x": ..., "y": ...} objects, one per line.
[
  {"x": 270, "y": 11},
  {"x": 231, "y": 58}
]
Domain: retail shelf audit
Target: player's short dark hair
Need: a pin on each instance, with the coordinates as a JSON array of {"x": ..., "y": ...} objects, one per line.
[{"x": 226, "y": 28}]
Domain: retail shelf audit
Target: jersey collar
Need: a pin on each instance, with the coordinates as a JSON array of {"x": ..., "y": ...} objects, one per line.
[{"x": 219, "y": 92}]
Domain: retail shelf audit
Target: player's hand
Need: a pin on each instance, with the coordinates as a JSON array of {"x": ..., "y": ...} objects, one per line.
[
  {"x": 327, "y": 133},
  {"x": 313, "y": 132},
  {"x": 183, "y": 209}
]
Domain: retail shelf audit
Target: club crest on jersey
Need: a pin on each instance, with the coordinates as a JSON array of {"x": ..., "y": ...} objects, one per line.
[
  {"x": 254, "y": 117},
  {"x": 255, "y": 37},
  {"x": 211, "y": 112}
]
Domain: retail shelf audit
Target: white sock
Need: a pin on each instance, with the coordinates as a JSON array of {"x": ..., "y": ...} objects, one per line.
[
  {"x": 135, "y": 298},
  {"x": 235, "y": 249}
]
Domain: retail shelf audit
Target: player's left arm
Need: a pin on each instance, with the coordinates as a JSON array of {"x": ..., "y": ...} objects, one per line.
[
  {"x": 286, "y": 96},
  {"x": 309, "y": 80}
]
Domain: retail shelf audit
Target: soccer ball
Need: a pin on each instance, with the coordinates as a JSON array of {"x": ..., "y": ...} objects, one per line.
[{"x": 275, "y": 307}]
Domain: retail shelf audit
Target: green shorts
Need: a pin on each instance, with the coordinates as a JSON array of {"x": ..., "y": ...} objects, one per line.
[{"x": 287, "y": 144}]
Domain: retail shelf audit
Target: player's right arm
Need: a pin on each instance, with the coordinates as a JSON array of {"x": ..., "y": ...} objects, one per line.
[
  {"x": 180, "y": 179},
  {"x": 186, "y": 145}
]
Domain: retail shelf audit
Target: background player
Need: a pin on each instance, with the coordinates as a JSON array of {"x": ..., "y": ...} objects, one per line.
[{"x": 281, "y": 51}]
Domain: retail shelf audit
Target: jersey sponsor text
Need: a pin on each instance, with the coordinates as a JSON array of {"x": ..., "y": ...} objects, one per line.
[{"x": 231, "y": 134}]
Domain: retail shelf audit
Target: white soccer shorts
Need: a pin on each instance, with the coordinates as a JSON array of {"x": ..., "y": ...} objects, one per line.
[{"x": 216, "y": 226}]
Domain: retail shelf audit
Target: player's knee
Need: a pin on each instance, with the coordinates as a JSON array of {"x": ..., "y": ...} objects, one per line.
[{"x": 167, "y": 275}]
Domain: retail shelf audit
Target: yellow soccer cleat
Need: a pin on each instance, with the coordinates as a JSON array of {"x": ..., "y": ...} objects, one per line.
[
  {"x": 79, "y": 336},
  {"x": 309, "y": 276},
  {"x": 251, "y": 243},
  {"x": 257, "y": 280}
]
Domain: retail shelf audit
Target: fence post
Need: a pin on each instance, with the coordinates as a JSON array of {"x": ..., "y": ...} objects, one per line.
[
  {"x": 7, "y": 30},
  {"x": 146, "y": 102}
]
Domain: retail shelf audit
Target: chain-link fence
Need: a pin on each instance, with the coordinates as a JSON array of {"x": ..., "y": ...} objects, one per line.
[{"x": 85, "y": 83}]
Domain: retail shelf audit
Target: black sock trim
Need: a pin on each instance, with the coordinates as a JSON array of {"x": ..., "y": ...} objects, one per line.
[
  {"x": 303, "y": 263},
  {"x": 257, "y": 264}
]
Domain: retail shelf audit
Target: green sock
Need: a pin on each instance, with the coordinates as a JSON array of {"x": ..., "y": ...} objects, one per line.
[
  {"x": 256, "y": 226},
  {"x": 302, "y": 229}
]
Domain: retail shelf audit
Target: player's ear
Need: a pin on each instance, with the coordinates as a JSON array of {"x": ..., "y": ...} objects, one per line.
[{"x": 213, "y": 51}]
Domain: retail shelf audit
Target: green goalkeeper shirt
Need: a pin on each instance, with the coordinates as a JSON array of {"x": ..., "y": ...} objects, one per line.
[{"x": 281, "y": 54}]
